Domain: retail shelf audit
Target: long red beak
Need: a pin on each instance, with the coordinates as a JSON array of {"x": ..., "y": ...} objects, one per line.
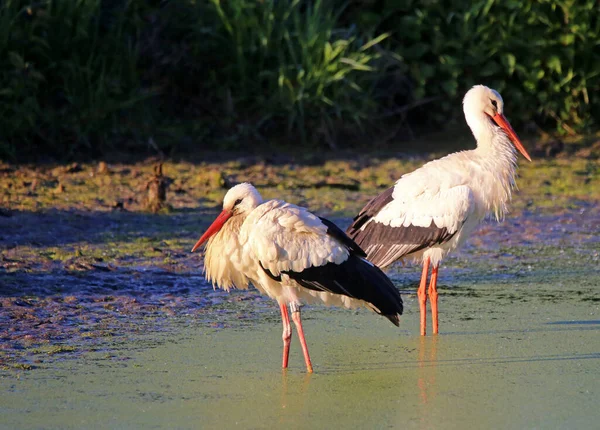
[
  {"x": 214, "y": 228},
  {"x": 503, "y": 122}
]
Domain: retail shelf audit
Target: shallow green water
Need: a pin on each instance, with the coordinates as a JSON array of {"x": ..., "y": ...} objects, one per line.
[{"x": 509, "y": 356}]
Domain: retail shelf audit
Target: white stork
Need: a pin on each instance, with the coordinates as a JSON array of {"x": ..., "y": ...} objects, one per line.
[
  {"x": 292, "y": 256},
  {"x": 430, "y": 212}
]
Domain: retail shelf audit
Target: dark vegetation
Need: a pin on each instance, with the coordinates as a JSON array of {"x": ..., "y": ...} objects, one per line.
[{"x": 88, "y": 77}]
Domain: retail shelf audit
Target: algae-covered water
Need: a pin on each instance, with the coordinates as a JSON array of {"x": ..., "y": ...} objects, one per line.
[
  {"x": 107, "y": 322},
  {"x": 519, "y": 348},
  {"x": 526, "y": 362}
]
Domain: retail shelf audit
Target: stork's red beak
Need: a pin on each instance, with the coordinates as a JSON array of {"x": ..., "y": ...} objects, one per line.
[
  {"x": 214, "y": 228},
  {"x": 503, "y": 122}
]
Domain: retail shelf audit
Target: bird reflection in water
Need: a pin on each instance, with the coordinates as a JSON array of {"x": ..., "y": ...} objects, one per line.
[
  {"x": 426, "y": 375},
  {"x": 294, "y": 413}
]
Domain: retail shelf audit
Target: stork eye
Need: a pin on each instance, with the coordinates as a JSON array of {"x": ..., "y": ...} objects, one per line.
[
  {"x": 495, "y": 103},
  {"x": 237, "y": 202}
]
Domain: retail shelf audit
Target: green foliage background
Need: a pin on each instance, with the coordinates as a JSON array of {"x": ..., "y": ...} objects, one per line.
[{"x": 90, "y": 76}]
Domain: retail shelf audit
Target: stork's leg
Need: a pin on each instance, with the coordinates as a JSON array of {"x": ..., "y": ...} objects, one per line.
[
  {"x": 433, "y": 298},
  {"x": 298, "y": 321},
  {"x": 422, "y": 296},
  {"x": 287, "y": 334}
]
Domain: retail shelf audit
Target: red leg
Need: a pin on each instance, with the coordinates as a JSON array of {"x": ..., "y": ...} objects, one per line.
[
  {"x": 433, "y": 298},
  {"x": 287, "y": 334},
  {"x": 422, "y": 295},
  {"x": 298, "y": 321}
]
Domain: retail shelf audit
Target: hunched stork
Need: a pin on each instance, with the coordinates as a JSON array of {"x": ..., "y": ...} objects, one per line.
[
  {"x": 292, "y": 256},
  {"x": 429, "y": 212}
]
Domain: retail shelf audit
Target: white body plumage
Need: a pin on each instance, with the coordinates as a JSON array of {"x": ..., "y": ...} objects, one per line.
[
  {"x": 438, "y": 205},
  {"x": 233, "y": 258},
  {"x": 292, "y": 256}
]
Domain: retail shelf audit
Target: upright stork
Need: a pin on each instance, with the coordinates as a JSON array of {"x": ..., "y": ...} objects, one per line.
[{"x": 429, "y": 212}]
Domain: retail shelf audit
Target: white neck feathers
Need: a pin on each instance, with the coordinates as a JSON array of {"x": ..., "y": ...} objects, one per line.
[{"x": 497, "y": 157}]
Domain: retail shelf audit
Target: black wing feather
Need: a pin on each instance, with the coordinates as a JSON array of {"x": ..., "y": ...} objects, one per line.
[
  {"x": 376, "y": 233},
  {"x": 379, "y": 234},
  {"x": 356, "y": 278},
  {"x": 370, "y": 210},
  {"x": 338, "y": 234}
]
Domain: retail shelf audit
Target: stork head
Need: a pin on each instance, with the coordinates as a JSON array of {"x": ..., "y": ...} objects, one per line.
[
  {"x": 485, "y": 104},
  {"x": 239, "y": 201}
]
